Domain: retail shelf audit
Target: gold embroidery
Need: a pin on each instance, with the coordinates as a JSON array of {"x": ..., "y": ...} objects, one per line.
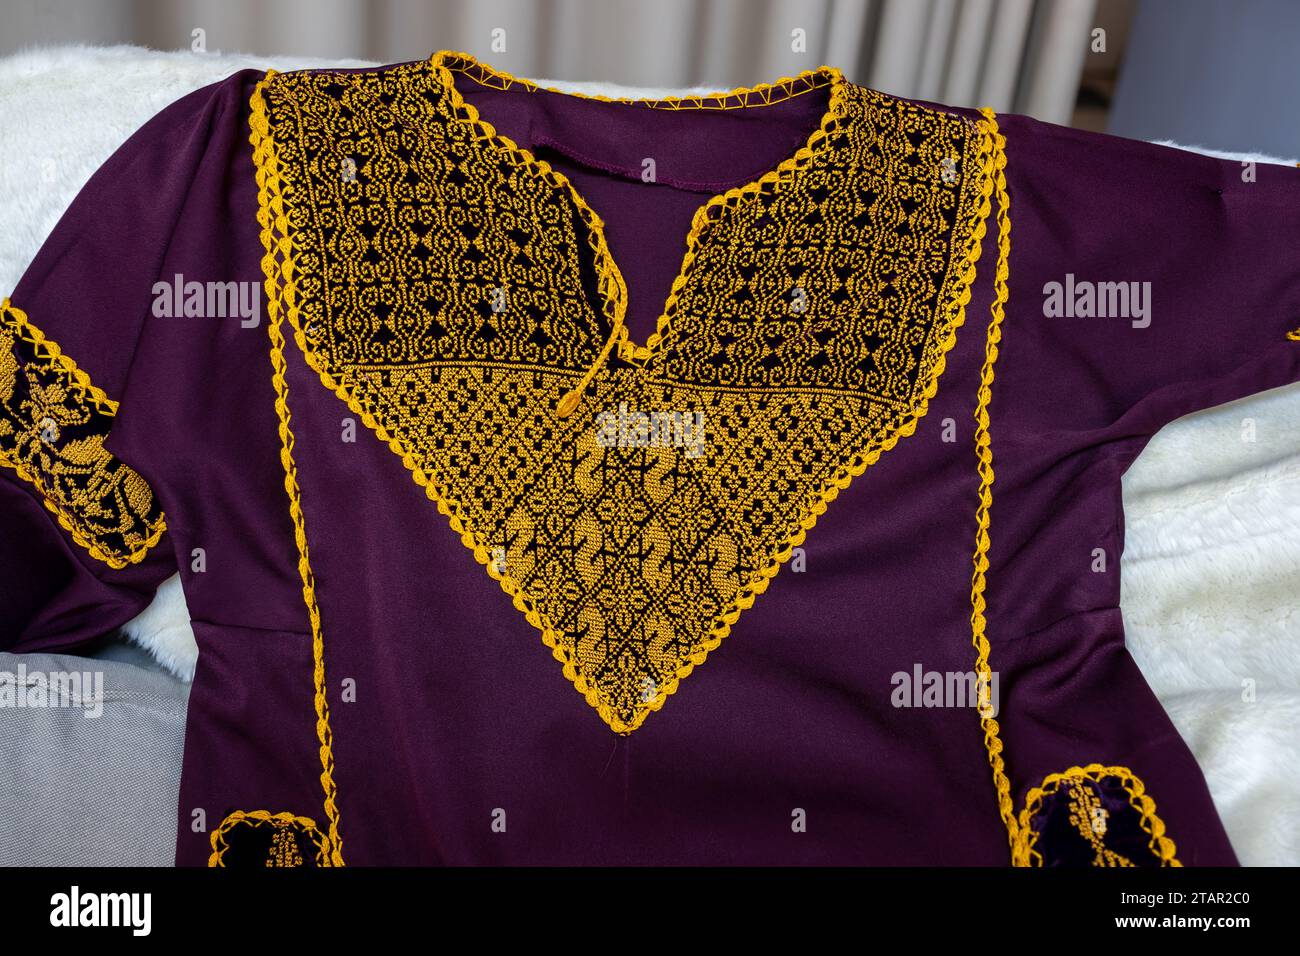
[
  {"x": 633, "y": 562},
  {"x": 1020, "y": 833},
  {"x": 262, "y": 838},
  {"x": 284, "y": 848},
  {"x": 984, "y": 467},
  {"x": 1083, "y": 787},
  {"x": 1089, "y": 818},
  {"x": 280, "y": 286},
  {"x": 53, "y": 423}
]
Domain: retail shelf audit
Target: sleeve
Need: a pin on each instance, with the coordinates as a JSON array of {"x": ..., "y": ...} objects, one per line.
[
  {"x": 1148, "y": 282},
  {"x": 83, "y": 532}
]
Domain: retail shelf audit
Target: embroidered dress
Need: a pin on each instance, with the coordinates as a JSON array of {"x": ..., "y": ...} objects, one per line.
[{"x": 625, "y": 362}]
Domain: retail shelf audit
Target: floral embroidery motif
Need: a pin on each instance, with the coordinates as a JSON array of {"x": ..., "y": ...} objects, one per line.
[
  {"x": 53, "y": 423},
  {"x": 633, "y": 561}
]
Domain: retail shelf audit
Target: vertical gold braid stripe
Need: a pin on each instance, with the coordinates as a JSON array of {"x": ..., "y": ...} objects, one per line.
[
  {"x": 278, "y": 265},
  {"x": 984, "y": 454},
  {"x": 1020, "y": 833}
]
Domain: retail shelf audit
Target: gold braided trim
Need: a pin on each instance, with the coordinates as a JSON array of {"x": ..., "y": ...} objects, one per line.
[
  {"x": 1020, "y": 833},
  {"x": 54, "y": 438},
  {"x": 984, "y": 454},
  {"x": 344, "y": 383},
  {"x": 1162, "y": 847},
  {"x": 15, "y": 319},
  {"x": 284, "y": 850},
  {"x": 277, "y": 264},
  {"x": 613, "y": 289},
  {"x": 742, "y": 97}
]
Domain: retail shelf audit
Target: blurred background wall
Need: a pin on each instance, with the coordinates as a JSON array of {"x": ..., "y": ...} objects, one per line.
[
  {"x": 1214, "y": 72},
  {"x": 1025, "y": 55}
]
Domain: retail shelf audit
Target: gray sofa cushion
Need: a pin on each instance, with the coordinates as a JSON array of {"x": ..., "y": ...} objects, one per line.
[{"x": 90, "y": 758}]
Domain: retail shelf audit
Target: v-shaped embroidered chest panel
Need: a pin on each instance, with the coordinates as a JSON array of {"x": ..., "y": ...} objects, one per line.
[{"x": 441, "y": 281}]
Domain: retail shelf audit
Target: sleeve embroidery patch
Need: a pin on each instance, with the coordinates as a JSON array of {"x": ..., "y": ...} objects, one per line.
[
  {"x": 1092, "y": 816},
  {"x": 53, "y": 423},
  {"x": 259, "y": 838}
]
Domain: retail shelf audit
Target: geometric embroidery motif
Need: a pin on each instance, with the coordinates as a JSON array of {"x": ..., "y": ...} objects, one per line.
[{"x": 805, "y": 336}]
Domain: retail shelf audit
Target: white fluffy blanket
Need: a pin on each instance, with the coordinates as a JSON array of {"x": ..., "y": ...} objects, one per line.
[{"x": 1210, "y": 574}]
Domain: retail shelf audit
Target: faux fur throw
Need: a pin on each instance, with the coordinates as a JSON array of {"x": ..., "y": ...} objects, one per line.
[{"x": 1211, "y": 573}]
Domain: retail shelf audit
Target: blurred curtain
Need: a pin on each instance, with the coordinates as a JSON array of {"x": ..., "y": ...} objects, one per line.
[{"x": 1021, "y": 55}]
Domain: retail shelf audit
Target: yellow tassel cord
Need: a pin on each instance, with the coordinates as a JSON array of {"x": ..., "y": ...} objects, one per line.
[
  {"x": 569, "y": 403},
  {"x": 1020, "y": 834},
  {"x": 278, "y": 266},
  {"x": 138, "y": 535}
]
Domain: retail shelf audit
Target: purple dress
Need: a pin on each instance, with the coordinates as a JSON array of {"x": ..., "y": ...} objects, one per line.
[{"x": 638, "y": 357}]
